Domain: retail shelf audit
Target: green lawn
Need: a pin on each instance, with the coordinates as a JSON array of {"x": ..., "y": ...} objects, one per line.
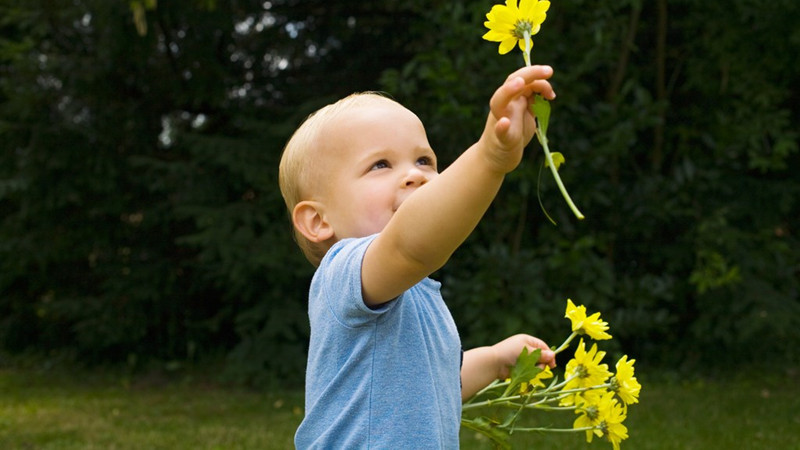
[
  {"x": 49, "y": 411},
  {"x": 97, "y": 412}
]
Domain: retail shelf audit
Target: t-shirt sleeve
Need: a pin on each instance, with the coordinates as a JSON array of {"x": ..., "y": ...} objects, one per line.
[{"x": 337, "y": 284}]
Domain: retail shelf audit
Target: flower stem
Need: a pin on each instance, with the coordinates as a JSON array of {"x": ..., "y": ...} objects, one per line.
[
  {"x": 492, "y": 385},
  {"x": 566, "y": 393},
  {"x": 552, "y": 408},
  {"x": 526, "y": 55},
  {"x": 555, "y": 430},
  {"x": 491, "y": 402},
  {"x": 554, "y": 171},
  {"x": 563, "y": 346},
  {"x": 543, "y": 139}
]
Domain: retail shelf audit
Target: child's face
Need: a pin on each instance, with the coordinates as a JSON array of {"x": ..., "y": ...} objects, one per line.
[{"x": 380, "y": 155}]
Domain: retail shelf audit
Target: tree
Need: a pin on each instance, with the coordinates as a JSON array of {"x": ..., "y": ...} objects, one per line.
[
  {"x": 140, "y": 216},
  {"x": 674, "y": 118},
  {"x": 140, "y": 171}
]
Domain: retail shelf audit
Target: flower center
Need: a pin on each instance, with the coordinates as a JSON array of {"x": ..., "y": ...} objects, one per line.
[
  {"x": 592, "y": 413},
  {"x": 614, "y": 385},
  {"x": 521, "y": 27},
  {"x": 603, "y": 428},
  {"x": 582, "y": 371}
]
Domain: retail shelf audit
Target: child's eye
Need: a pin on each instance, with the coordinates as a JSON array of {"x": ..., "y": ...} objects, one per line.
[
  {"x": 382, "y": 164},
  {"x": 425, "y": 161}
]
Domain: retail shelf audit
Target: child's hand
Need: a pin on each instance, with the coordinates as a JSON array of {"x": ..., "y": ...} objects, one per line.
[
  {"x": 508, "y": 351},
  {"x": 511, "y": 125}
]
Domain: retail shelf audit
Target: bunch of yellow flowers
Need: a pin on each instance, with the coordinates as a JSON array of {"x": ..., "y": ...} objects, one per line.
[{"x": 597, "y": 396}]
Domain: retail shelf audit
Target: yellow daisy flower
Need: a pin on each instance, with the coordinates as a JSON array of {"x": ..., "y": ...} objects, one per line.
[
  {"x": 592, "y": 325},
  {"x": 605, "y": 415},
  {"x": 624, "y": 383},
  {"x": 612, "y": 414},
  {"x": 588, "y": 411},
  {"x": 508, "y": 23},
  {"x": 584, "y": 371},
  {"x": 589, "y": 416}
]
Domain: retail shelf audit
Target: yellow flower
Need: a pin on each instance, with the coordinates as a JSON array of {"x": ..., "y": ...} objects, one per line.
[
  {"x": 536, "y": 381},
  {"x": 508, "y": 23},
  {"x": 589, "y": 414},
  {"x": 624, "y": 383},
  {"x": 589, "y": 411},
  {"x": 584, "y": 371},
  {"x": 605, "y": 415},
  {"x": 589, "y": 418},
  {"x": 592, "y": 325},
  {"x": 612, "y": 414},
  {"x": 589, "y": 397}
]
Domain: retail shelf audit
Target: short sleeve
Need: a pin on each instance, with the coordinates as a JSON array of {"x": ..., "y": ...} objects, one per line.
[{"x": 337, "y": 284}]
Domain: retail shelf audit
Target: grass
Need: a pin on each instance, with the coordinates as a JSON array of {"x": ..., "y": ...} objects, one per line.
[{"x": 43, "y": 410}]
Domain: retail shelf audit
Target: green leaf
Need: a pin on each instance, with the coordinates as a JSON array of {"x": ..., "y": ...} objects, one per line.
[
  {"x": 558, "y": 160},
  {"x": 525, "y": 369},
  {"x": 541, "y": 109}
]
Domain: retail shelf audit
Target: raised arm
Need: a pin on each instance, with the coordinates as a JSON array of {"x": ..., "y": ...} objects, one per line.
[{"x": 430, "y": 225}]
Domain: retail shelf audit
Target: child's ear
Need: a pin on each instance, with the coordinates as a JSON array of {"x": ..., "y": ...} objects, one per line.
[{"x": 308, "y": 218}]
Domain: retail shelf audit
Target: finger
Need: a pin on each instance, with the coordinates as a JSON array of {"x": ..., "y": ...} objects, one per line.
[
  {"x": 510, "y": 90},
  {"x": 548, "y": 357},
  {"x": 529, "y": 74},
  {"x": 535, "y": 343},
  {"x": 522, "y": 83},
  {"x": 501, "y": 127},
  {"x": 542, "y": 87}
]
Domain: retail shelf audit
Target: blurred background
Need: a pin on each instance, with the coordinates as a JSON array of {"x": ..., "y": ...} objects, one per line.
[{"x": 141, "y": 221}]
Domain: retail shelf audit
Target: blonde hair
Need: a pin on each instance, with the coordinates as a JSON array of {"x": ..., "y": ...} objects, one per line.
[{"x": 298, "y": 172}]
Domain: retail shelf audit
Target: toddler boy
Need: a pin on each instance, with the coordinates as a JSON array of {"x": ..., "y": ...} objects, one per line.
[{"x": 370, "y": 210}]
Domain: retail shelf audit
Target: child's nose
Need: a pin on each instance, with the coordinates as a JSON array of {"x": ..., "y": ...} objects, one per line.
[{"x": 415, "y": 177}]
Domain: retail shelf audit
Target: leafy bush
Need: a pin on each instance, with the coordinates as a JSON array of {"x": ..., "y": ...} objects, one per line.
[{"x": 140, "y": 216}]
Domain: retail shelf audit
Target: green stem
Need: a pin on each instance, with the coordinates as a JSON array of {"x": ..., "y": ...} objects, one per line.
[
  {"x": 563, "y": 346},
  {"x": 568, "y": 392},
  {"x": 551, "y": 394},
  {"x": 526, "y": 55},
  {"x": 562, "y": 384},
  {"x": 549, "y": 397},
  {"x": 491, "y": 402},
  {"x": 543, "y": 404},
  {"x": 521, "y": 407},
  {"x": 543, "y": 139},
  {"x": 556, "y": 430},
  {"x": 554, "y": 171},
  {"x": 552, "y": 408},
  {"x": 494, "y": 384}
]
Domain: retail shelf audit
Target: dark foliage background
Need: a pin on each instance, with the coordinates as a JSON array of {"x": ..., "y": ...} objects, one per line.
[{"x": 140, "y": 217}]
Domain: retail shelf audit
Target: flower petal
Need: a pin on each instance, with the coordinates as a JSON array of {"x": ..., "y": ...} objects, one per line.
[
  {"x": 495, "y": 36},
  {"x": 504, "y": 15},
  {"x": 507, "y": 45},
  {"x": 512, "y": 5}
]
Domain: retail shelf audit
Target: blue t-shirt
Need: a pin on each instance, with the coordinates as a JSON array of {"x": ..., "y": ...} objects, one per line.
[{"x": 378, "y": 378}]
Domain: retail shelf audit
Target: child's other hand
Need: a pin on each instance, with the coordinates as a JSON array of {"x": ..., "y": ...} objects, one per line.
[
  {"x": 511, "y": 125},
  {"x": 508, "y": 350}
]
